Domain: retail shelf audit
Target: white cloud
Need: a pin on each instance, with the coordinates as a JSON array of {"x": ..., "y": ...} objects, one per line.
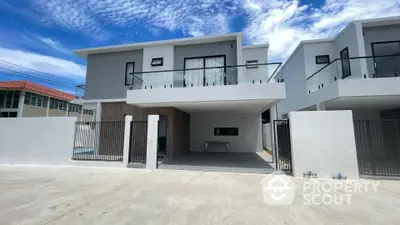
[
  {"x": 285, "y": 23},
  {"x": 43, "y": 63},
  {"x": 95, "y": 17},
  {"x": 55, "y": 45}
]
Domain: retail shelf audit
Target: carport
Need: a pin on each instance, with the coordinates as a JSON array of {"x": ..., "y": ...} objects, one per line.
[{"x": 260, "y": 162}]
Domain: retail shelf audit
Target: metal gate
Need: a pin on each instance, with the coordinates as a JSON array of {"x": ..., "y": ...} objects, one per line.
[
  {"x": 283, "y": 150},
  {"x": 378, "y": 147},
  {"x": 102, "y": 141},
  {"x": 138, "y": 142}
]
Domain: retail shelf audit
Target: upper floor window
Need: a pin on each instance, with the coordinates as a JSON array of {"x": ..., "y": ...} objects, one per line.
[
  {"x": 74, "y": 108},
  {"x": 345, "y": 61},
  {"x": 322, "y": 59},
  {"x": 251, "y": 64},
  {"x": 9, "y": 99},
  {"x": 58, "y": 104},
  {"x": 157, "y": 61},
  {"x": 129, "y": 70},
  {"x": 36, "y": 100}
]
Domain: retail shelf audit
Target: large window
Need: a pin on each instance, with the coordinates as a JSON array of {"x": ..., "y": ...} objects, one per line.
[
  {"x": 197, "y": 74},
  {"x": 344, "y": 58},
  {"x": 36, "y": 100},
  {"x": 129, "y": 70},
  {"x": 9, "y": 99},
  {"x": 74, "y": 108},
  {"x": 58, "y": 104},
  {"x": 386, "y": 58}
]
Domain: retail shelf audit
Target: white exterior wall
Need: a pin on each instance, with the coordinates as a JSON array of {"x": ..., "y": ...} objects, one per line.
[
  {"x": 250, "y": 134},
  {"x": 256, "y": 74},
  {"x": 352, "y": 38},
  {"x": 323, "y": 142},
  {"x": 158, "y": 79},
  {"x": 294, "y": 73},
  {"x": 165, "y": 96},
  {"x": 44, "y": 140},
  {"x": 311, "y": 50}
]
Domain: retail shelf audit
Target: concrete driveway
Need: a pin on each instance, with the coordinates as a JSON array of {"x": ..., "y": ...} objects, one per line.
[{"x": 72, "y": 195}]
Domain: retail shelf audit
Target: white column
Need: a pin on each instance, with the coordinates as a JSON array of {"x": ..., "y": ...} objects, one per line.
[
  {"x": 272, "y": 117},
  {"x": 321, "y": 106},
  {"x": 127, "y": 138},
  {"x": 152, "y": 131},
  {"x": 48, "y": 106},
  {"x": 67, "y": 114},
  {"x": 98, "y": 112},
  {"x": 21, "y": 104}
]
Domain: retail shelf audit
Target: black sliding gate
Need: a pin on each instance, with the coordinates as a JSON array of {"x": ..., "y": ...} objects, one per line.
[
  {"x": 138, "y": 142},
  {"x": 378, "y": 147},
  {"x": 283, "y": 150}
]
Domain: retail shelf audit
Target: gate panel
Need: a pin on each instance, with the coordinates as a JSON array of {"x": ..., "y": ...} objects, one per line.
[
  {"x": 101, "y": 141},
  {"x": 378, "y": 147},
  {"x": 138, "y": 142},
  {"x": 283, "y": 150}
]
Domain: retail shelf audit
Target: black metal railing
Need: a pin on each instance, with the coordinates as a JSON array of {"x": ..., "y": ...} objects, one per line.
[
  {"x": 210, "y": 76},
  {"x": 100, "y": 141},
  {"x": 356, "y": 67},
  {"x": 138, "y": 142},
  {"x": 283, "y": 156},
  {"x": 378, "y": 147}
]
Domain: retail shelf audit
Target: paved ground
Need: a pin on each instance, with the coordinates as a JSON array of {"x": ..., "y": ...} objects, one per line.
[
  {"x": 259, "y": 162},
  {"x": 65, "y": 195}
]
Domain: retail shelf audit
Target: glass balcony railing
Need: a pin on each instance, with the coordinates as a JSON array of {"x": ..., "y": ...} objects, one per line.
[
  {"x": 354, "y": 68},
  {"x": 200, "y": 77}
]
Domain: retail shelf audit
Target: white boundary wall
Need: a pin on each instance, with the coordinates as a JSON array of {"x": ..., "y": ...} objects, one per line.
[
  {"x": 323, "y": 142},
  {"x": 40, "y": 140}
]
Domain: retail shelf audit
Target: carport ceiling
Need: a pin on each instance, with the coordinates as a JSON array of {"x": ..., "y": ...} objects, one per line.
[{"x": 249, "y": 106}]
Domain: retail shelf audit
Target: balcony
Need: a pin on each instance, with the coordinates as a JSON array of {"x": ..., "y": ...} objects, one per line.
[
  {"x": 203, "y": 77},
  {"x": 214, "y": 86},
  {"x": 355, "y": 68}
]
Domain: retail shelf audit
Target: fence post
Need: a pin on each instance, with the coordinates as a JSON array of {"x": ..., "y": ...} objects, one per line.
[
  {"x": 152, "y": 133},
  {"x": 127, "y": 138}
]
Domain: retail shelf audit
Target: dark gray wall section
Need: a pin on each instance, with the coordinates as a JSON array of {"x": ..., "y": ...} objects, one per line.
[
  {"x": 227, "y": 48},
  {"x": 105, "y": 78},
  {"x": 380, "y": 34}
]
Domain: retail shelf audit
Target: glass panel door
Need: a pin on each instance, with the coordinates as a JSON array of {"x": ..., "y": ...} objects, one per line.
[
  {"x": 215, "y": 77},
  {"x": 387, "y": 62},
  {"x": 194, "y": 78}
]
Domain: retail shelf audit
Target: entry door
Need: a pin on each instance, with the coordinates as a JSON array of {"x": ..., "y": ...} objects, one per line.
[
  {"x": 386, "y": 58},
  {"x": 162, "y": 135}
]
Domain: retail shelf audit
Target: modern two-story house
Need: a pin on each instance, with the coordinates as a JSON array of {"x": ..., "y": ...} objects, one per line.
[
  {"x": 357, "y": 70},
  {"x": 206, "y": 90}
]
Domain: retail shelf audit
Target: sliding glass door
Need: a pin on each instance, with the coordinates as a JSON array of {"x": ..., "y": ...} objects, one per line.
[
  {"x": 201, "y": 71},
  {"x": 386, "y": 58}
]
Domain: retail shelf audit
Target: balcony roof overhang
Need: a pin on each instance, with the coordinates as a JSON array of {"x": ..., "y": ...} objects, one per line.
[{"x": 176, "y": 42}]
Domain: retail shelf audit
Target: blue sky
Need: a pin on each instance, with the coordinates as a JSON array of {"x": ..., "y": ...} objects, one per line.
[{"x": 40, "y": 34}]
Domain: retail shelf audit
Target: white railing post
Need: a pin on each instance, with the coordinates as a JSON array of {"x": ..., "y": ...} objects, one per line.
[
  {"x": 152, "y": 133},
  {"x": 127, "y": 138}
]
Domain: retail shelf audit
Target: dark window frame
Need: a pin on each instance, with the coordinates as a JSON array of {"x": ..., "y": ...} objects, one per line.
[
  {"x": 250, "y": 65},
  {"x": 204, "y": 66},
  {"x": 318, "y": 59},
  {"x": 226, "y": 131},
  {"x": 126, "y": 74},
  {"x": 157, "y": 64},
  {"x": 342, "y": 59},
  {"x": 373, "y": 50}
]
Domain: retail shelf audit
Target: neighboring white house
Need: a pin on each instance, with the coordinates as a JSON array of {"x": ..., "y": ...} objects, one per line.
[
  {"x": 357, "y": 70},
  {"x": 207, "y": 89}
]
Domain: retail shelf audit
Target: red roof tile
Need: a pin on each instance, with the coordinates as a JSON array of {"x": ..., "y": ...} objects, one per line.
[{"x": 36, "y": 88}]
